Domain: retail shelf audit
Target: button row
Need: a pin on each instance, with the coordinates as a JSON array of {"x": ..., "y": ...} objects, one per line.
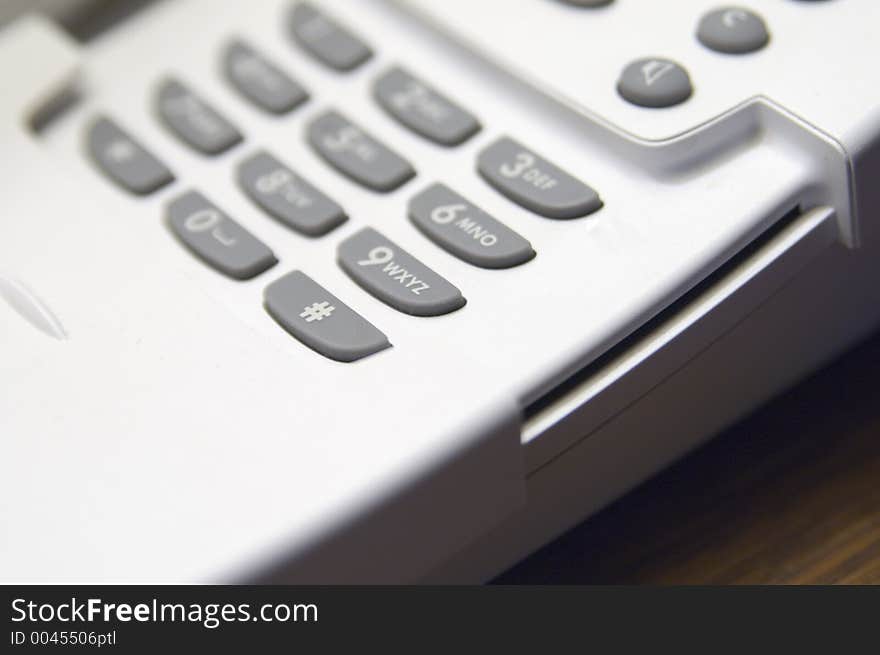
[
  {"x": 517, "y": 172},
  {"x": 659, "y": 82},
  {"x": 444, "y": 216}
]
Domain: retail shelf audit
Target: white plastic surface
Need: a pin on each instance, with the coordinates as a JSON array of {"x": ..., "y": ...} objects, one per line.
[
  {"x": 818, "y": 62},
  {"x": 180, "y": 434}
]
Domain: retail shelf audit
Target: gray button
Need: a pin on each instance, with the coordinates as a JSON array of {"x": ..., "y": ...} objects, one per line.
[
  {"x": 288, "y": 197},
  {"x": 216, "y": 238},
  {"x": 125, "y": 160},
  {"x": 260, "y": 81},
  {"x": 395, "y": 277},
  {"x": 587, "y": 3},
  {"x": 326, "y": 39},
  {"x": 320, "y": 320},
  {"x": 533, "y": 182},
  {"x": 733, "y": 30},
  {"x": 356, "y": 154},
  {"x": 465, "y": 230},
  {"x": 424, "y": 110},
  {"x": 655, "y": 82},
  {"x": 194, "y": 121}
]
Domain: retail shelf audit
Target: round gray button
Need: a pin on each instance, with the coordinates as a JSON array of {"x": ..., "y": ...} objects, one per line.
[
  {"x": 655, "y": 82},
  {"x": 587, "y": 3},
  {"x": 733, "y": 30}
]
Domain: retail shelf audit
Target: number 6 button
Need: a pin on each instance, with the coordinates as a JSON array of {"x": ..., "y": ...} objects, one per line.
[
  {"x": 465, "y": 230},
  {"x": 534, "y": 183}
]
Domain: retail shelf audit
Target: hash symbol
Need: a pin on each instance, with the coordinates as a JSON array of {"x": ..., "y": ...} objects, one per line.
[{"x": 317, "y": 311}]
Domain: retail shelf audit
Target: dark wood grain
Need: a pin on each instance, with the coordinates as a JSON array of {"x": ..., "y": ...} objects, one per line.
[{"x": 791, "y": 495}]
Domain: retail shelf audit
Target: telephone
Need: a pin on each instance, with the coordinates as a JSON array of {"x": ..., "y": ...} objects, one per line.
[{"x": 399, "y": 290}]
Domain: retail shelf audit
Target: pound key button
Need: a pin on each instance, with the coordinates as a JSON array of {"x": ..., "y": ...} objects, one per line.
[{"x": 320, "y": 320}]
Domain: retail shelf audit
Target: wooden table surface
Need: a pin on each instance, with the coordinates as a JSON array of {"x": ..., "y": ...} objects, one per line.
[{"x": 790, "y": 495}]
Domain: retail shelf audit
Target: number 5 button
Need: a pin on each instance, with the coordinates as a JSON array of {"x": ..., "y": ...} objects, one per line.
[{"x": 534, "y": 183}]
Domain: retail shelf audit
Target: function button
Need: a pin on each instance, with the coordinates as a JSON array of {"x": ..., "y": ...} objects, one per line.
[
  {"x": 288, "y": 197},
  {"x": 395, "y": 277},
  {"x": 655, "y": 83},
  {"x": 326, "y": 39},
  {"x": 356, "y": 154},
  {"x": 534, "y": 183},
  {"x": 424, "y": 110},
  {"x": 193, "y": 120},
  {"x": 465, "y": 230},
  {"x": 320, "y": 320},
  {"x": 587, "y": 3},
  {"x": 216, "y": 238},
  {"x": 125, "y": 160},
  {"x": 733, "y": 30},
  {"x": 260, "y": 81}
]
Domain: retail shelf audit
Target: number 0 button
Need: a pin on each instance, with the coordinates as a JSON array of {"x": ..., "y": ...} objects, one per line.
[
  {"x": 534, "y": 183},
  {"x": 216, "y": 238}
]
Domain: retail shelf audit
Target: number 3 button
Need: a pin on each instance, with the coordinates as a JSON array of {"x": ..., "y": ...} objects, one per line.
[{"x": 534, "y": 183}]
